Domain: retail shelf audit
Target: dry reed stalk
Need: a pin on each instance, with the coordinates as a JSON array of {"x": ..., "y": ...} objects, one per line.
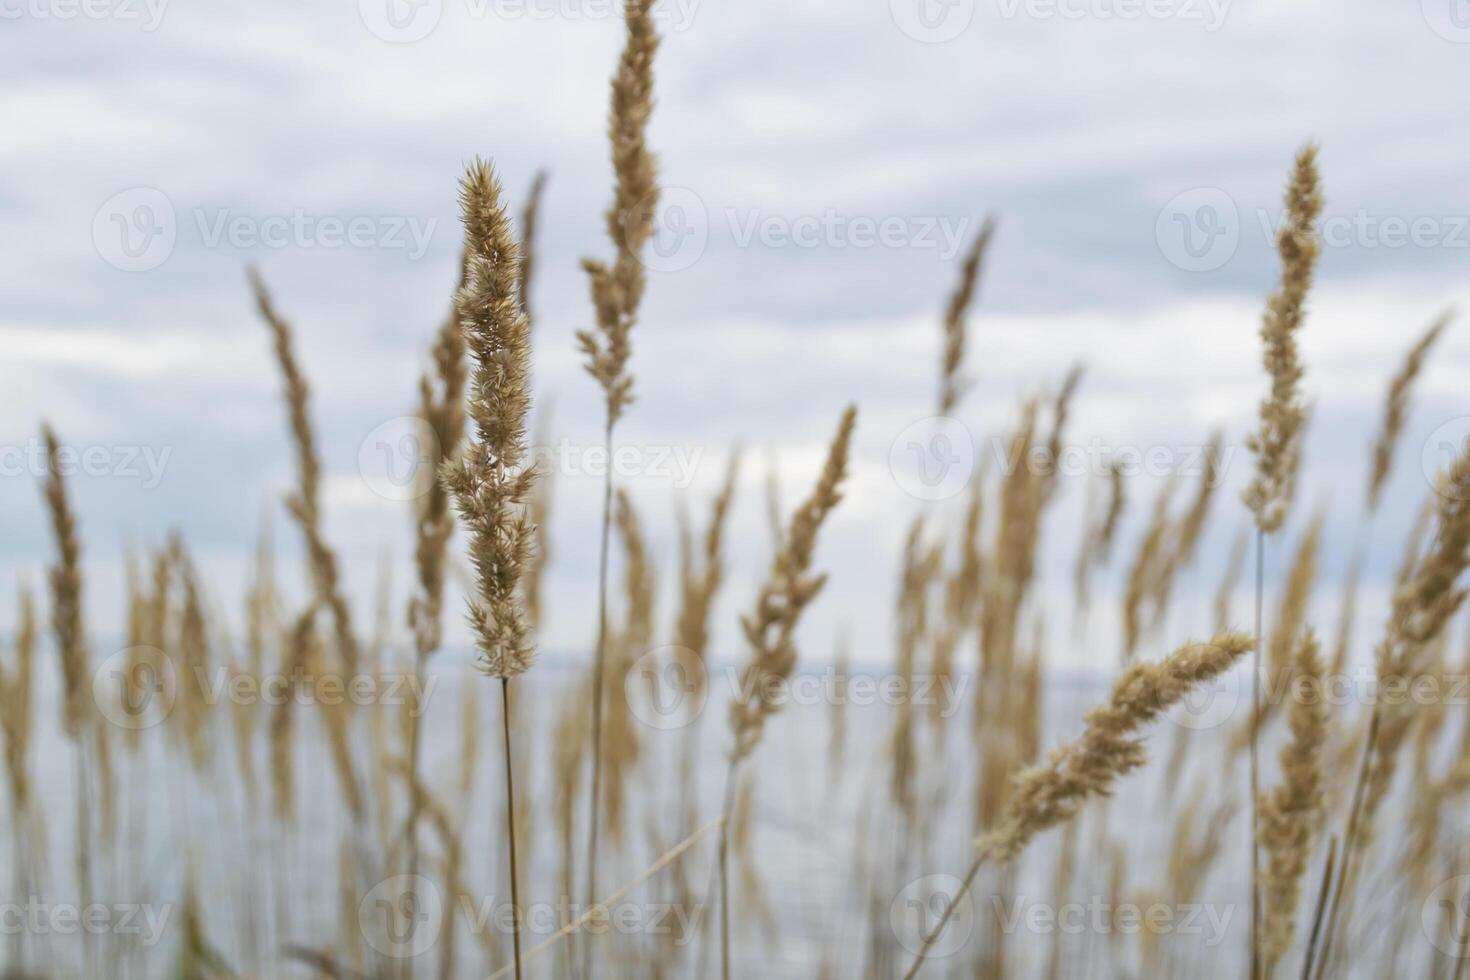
[
  {"x": 1097, "y": 538},
  {"x": 78, "y": 717},
  {"x": 16, "y": 689},
  {"x": 617, "y": 292},
  {"x": 1144, "y": 570},
  {"x": 192, "y": 644},
  {"x": 441, "y": 406},
  {"x": 598, "y": 911},
  {"x": 1109, "y": 748},
  {"x": 1277, "y": 442},
  {"x": 1396, "y": 408},
  {"x": 702, "y": 575},
  {"x": 489, "y": 480},
  {"x": 66, "y": 595},
  {"x": 622, "y": 746},
  {"x": 1191, "y": 527},
  {"x": 952, "y": 384},
  {"x": 1426, "y": 600},
  {"x": 540, "y": 512},
  {"x": 1288, "y": 813},
  {"x": 920, "y": 568},
  {"x": 296, "y": 653},
  {"x": 530, "y": 218},
  {"x": 1234, "y": 565},
  {"x": 1291, "y": 617},
  {"x": 963, "y": 592},
  {"x": 305, "y": 502},
  {"x": 770, "y": 631},
  {"x": 790, "y": 586}
]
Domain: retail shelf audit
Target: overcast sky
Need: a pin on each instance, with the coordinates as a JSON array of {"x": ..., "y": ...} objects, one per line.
[{"x": 823, "y": 164}]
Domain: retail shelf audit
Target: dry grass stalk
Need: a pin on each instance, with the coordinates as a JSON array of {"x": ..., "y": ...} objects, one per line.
[
  {"x": 1277, "y": 443},
  {"x": 1109, "y": 748},
  {"x": 702, "y": 575},
  {"x": 1396, "y": 408},
  {"x": 78, "y": 716},
  {"x": 66, "y": 595},
  {"x": 617, "y": 292},
  {"x": 1144, "y": 571},
  {"x": 442, "y": 407},
  {"x": 1191, "y": 527},
  {"x": 539, "y": 508},
  {"x": 770, "y": 630},
  {"x": 952, "y": 384},
  {"x": 530, "y": 215},
  {"x": 16, "y": 689},
  {"x": 490, "y": 481},
  {"x": 1234, "y": 566},
  {"x": 1427, "y": 598},
  {"x": 921, "y": 566},
  {"x": 1097, "y": 539},
  {"x": 1291, "y": 617},
  {"x": 305, "y": 502},
  {"x": 623, "y": 746},
  {"x": 296, "y": 653},
  {"x": 1288, "y": 814}
]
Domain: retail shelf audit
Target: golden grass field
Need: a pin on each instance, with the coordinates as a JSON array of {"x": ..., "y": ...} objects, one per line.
[{"x": 310, "y": 783}]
